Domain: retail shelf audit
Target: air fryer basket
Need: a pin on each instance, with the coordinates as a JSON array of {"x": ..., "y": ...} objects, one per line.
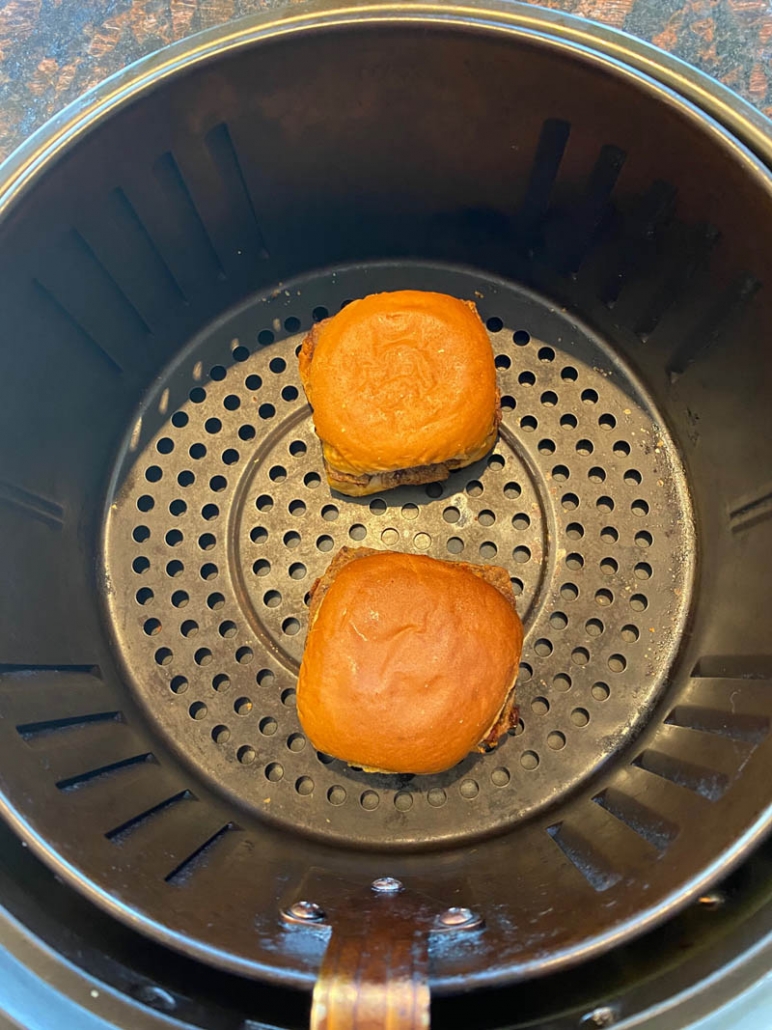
[{"x": 165, "y": 513}]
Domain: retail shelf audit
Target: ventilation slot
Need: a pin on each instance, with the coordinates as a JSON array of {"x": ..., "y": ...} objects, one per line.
[
  {"x": 32, "y": 670},
  {"x": 33, "y": 730},
  {"x": 734, "y": 667},
  {"x": 549, "y": 153},
  {"x": 594, "y": 211},
  {"x": 240, "y": 208},
  {"x": 708, "y": 783},
  {"x": 81, "y": 284},
  {"x": 713, "y": 327},
  {"x": 192, "y": 232},
  {"x": 119, "y": 833},
  {"x": 594, "y": 867},
  {"x": 65, "y": 325},
  {"x": 182, "y": 872},
  {"x": 33, "y": 505},
  {"x": 690, "y": 256},
  {"x": 654, "y": 828},
  {"x": 751, "y": 511},
  {"x": 75, "y": 782},
  {"x": 637, "y": 250},
  {"x": 750, "y": 728},
  {"x": 144, "y": 275}
]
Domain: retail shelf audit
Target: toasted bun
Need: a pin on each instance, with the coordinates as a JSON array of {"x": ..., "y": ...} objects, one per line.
[
  {"x": 402, "y": 383},
  {"x": 410, "y": 662}
]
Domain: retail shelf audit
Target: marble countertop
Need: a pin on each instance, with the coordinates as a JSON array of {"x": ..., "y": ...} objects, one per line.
[{"x": 51, "y": 51}]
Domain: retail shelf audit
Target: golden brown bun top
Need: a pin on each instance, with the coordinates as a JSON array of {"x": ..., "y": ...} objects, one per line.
[
  {"x": 409, "y": 660},
  {"x": 401, "y": 379}
]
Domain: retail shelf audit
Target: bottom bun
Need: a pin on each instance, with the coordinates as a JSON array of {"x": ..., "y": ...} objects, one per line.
[{"x": 410, "y": 662}]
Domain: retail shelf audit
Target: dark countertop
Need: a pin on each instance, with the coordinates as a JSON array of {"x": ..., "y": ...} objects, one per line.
[{"x": 51, "y": 51}]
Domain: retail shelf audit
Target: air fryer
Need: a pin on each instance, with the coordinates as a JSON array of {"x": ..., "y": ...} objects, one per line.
[{"x": 164, "y": 247}]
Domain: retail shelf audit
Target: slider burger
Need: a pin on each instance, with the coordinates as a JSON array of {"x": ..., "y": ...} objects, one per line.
[
  {"x": 410, "y": 662},
  {"x": 403, "y": 390}
]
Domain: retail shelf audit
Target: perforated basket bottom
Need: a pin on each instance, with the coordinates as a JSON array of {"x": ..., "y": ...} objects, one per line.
[{"x": 219, "y": 520}]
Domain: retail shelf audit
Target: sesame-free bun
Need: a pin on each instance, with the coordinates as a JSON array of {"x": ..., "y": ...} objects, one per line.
[
  {"x": 403, "y": 389},
  {"x": 410, "y": 662}
]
